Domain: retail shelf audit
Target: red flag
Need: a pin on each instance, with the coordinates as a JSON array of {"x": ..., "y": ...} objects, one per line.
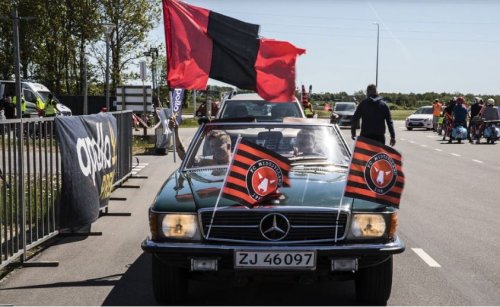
[
  {"x": 203, "y": 44},
  {"x": 255, "y": 174},
  {"x": 376, "y": 173}
]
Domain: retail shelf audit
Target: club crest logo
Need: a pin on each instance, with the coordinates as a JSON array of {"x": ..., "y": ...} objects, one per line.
[
  {"x": 263, "y": 178},
  {"x": 381, "y": 173}
]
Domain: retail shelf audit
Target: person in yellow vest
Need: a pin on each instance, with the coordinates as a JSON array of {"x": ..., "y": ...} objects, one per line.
[
  {"x": 50, "y": 107},
  {"x": 23, "y": 104},
  {"x": 40, "y": 106}
]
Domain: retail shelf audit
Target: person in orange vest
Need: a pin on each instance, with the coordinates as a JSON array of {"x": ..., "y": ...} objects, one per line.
[{"x": 437, "y": 108}]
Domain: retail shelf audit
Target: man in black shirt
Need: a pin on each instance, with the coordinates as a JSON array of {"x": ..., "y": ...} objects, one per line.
[{"x": 374, "y": 114}]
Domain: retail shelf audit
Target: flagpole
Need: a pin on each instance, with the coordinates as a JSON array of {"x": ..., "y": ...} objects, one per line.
[
  {"x": 174, "y": 142},
  {"x": 238, "y": 140},
  {"x": 342, "y": 197}
]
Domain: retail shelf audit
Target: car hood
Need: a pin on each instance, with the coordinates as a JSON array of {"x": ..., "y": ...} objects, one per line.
[
  {"x": 193, "y": 190},
  {"x": 420, "y": 116}
]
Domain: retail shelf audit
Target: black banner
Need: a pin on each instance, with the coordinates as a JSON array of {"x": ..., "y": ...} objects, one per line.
[{"x": 88, "y": 157}]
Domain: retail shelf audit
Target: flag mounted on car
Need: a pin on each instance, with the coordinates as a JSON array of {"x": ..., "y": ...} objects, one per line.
[
  {"x": 375, "y": 173},
  {"x": 255, "y": 174},
  {"x": 203, "y": 44}
]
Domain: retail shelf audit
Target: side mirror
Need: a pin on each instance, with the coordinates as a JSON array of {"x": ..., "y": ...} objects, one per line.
[{"x": 203, "y": 120}]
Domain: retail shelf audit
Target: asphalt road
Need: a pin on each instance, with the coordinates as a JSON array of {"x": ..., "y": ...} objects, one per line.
[{"x": 448, "y": 220}]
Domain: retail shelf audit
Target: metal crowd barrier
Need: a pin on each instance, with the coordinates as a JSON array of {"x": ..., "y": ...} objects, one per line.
[{"x": 30, "y": 181}]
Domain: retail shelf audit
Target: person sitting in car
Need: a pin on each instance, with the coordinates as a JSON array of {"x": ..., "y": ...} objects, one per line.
[
  {"x": 306, "y": 143},
  {"x": 219, "y": 142}
]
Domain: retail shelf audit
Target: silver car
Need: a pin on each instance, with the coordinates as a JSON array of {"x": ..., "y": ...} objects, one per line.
[{"x": 252, "y": 105}]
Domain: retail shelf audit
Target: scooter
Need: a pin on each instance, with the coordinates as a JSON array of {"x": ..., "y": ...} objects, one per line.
[
  {"x": 491, "y": 131},
  {"x": 458, "y": 133}
]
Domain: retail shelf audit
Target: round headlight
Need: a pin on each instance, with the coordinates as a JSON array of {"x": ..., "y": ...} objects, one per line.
[
  {"x": 180, "y": 226},
  {"x": 367, "y": 226}
]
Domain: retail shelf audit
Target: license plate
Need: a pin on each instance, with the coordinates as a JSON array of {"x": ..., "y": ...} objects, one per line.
[
  {"x": 275, "y": 260},
  {"x": 416, "y": 124}
]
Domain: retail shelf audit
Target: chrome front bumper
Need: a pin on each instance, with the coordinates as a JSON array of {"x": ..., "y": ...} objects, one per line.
[{"x": 187, "y": 248}]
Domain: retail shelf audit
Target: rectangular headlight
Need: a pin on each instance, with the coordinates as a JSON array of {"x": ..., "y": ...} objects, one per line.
[
  {"x": 180, "y": 226},
  {"x": 367, "y": 226}
]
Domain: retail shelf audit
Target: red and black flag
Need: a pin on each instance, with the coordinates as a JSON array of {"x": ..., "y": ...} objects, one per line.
[
  {"x": 255, "y": 174},
  {"x": 202, "y": 44},
  {"x": 376, "y": 173}
]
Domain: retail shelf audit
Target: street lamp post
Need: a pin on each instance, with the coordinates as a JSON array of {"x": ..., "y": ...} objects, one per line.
[
  {"x": 153, "y": 53},
  {"x": 108, "y": 29},
  {"x": 376, "y": 69}
]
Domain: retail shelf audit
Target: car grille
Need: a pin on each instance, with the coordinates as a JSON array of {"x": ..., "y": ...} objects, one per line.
[
  {"x": 416, "y": 120},
  {"x": 240, "y": 225}
]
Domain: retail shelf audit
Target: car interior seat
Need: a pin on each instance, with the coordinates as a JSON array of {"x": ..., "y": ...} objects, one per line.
[{"x": 269, "y": 139}]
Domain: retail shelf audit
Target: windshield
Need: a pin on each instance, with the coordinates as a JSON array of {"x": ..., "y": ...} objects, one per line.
[
  {"x": 259, "y": 109},
  {"x": 424, "y": 110},
  {"x": 345, "y": 107},
  {"x": 303, "y": 144}
]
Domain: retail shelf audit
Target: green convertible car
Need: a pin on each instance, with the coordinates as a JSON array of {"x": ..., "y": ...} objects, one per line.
[{"x": 309, "y": 231}]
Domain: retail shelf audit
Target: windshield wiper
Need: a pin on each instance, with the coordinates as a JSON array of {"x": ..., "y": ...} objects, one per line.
[{"x": 308, "y": 158}]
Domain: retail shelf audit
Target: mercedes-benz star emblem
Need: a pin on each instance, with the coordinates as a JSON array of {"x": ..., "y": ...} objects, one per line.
[{"x": 274, "y": 226}]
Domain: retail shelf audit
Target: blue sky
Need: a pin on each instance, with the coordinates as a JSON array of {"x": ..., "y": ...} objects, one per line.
[{"x": 441, "y": 45}]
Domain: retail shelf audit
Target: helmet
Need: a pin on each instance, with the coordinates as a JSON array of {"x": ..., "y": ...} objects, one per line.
[
  {"x": 490, "y": 101},
  {"x": 478, "y": 100}
]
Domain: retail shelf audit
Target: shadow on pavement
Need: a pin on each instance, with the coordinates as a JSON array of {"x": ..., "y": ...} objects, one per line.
[{"x": 135, "y": 288}]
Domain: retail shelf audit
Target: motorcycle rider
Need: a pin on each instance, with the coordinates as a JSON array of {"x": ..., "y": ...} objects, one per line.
[
  {"x": 475, "y": 119},
  {"x": 489, "y": 112},
  {"x": 459, "y": 114},
  {"x": 448, "y": 118}
]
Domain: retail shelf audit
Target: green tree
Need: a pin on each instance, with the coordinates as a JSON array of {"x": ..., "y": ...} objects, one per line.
[{"x": 133, "y": 19}]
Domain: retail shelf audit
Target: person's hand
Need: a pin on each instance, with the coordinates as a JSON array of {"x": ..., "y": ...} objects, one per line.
[
  {"x": 353, "y": 137},
  {"x": 172, "y": 123},
  {"x": 392, "y": 142}
]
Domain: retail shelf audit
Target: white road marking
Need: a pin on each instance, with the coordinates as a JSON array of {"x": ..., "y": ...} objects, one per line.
[
  {"x": 455, "y": 154},
  {"x": 478, "y": 161},
  {"x": 430, "y": 136},
  {"x": 413, "y": 142},
  {"x": 138, "y": 167},
  {"x": 402, "y": 139},
  {"x": 423, "y": 145},
  {"x": 437, "y": 149},
  {"x": 426, "y": 258}
]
